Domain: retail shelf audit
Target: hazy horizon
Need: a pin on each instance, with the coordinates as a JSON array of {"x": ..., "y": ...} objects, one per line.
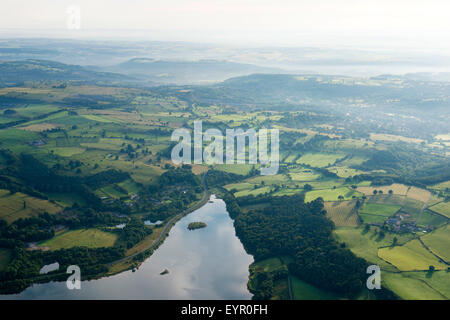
[{"x": 376, "y": 25}]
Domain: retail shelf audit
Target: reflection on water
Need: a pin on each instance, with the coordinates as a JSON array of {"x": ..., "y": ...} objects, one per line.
[{"x": 208, "y": 263}]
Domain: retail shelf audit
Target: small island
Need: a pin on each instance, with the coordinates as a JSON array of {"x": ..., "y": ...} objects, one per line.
[
  {"x": 196, "y": 225},
  {"x": 165, "y": 271}
]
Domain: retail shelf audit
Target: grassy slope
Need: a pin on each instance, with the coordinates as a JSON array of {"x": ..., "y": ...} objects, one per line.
[{"x": 91, "y": 238}]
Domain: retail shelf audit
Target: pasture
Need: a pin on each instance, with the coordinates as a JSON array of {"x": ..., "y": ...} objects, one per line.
[
  {"x": 319, "y": 160},
  {"x": 429, "y": 218},
  {"x": 302, "y": 175},
  {"x": 39, "y": 127},
  {"x": 371, "y": 218},
  {"x": 242, "y": 169},
  {"x": 365, "y": 244},
  {"x": 91, "y": 238},
  {"x": 12, "y": 206},
  {"x": 418, "y": 194},
  {"x": 438, "y": 242},
  {"x": 418, "y": 285},
  {"x": 441, "y": 208},
  {"x": 305, "y": 291},
  {"x": 332, "y": 194},
  {"x": 398, "y": 189},
  {"x": 411, "y": 256},
  {"x": 393, "y": 138},
  {"x": 342, "y": 213},
  {"x": 384, "y": 210},
  {"x": 254, "y": 192},
  {"x": 345, "y": 172},
  {"x": 443, "y": 186}
]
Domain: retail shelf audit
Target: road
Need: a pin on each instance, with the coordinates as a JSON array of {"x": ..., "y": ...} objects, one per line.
[{"x": 172, "y": 222}]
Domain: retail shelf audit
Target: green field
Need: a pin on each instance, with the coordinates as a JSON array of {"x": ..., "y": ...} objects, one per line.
[
  {"x": 91, "y": 238},
  {"x": 438, "y": 242},
  {"x": 242, "y": 169},
  {"x": 366, "y": 244},
  {"x": 254, "y": 192},
  {"x": 332, "y": 194},
  {"x": 319, "y": 160},
  {"x": 268, "y": 180},
  {"x": 379, "y": 209},
  {"x": 443, "y": 186},
  {"x": 345, "y": 172},
  {"x": 418, "y": 285},
  {"x": 371, "y": 218},
  {"x": 66, "y": 199},
  {"x": 302, "y": 175},
  {"x": 12, "y": 206},
  {"x": 342, "y": 213},
  {"x": 397, "y": 189},
  {"x": 410, "y": 257},
  {"x": 68, "y": 152},
  {"x": 305, "y": 291},
  {"x": 442, "y": 208},
  {"x": 431, "y": 219}
]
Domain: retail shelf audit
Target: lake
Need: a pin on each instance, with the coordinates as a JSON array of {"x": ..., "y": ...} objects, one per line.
[{"x": 208, "y": 263}]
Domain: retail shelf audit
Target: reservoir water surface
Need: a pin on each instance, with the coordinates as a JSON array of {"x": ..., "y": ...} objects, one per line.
[{"x": 208, "y": 263}]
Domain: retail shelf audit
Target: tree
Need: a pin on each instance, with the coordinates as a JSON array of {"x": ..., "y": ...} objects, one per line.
[
  {"x": 341, "y": 197},
  {"x": 24, "y": 204},
  {"x": 431, "y": 268},
  {"x": 394, "y": 241},
  {"x": 375, "y": 192},
  {"x": 390, "y": 191}
]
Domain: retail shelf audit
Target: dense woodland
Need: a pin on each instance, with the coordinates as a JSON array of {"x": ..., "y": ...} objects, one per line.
[{"x": 289, "y": 227}]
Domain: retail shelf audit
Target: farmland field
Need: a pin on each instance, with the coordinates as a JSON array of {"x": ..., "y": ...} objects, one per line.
[
  {"x": 380, "y": 209},
  {"x": 410, "y": 257},
  {"x": 418, "y": 194},
  {"x": 345, "y": 172},
  {"x": 415, "y": 285},
  {"x": 304, "y": 291},
  {"x": 342, "y": 213},
  {"x": 371, "y": 218},
  {"x": 431, "y": 219},
  {"x": 91, "y": 238},
  {"x": 398, "y": 189},
  {"x": 332, "y": 194},
  {"x": 366, "y": 244},
  {"x": 319, "y": 159},
  {"x": 12, "y": 206},
  {"x": 437, "y": 241},
  {"x": 303, "y": 175},
  {"x": 442, "y": 208},
  {"x": 241, "y": 169}
]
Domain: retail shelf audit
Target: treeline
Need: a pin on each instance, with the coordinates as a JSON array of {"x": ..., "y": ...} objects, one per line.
[
  {"x": 406, "y": 165},
  {"x": 23, "y": 269},
  {"x": 219, "y": 178},
  {"x": 42, "y": 227},
  {"x": 27, "y": 174},
  {"x": 289, "y": 227}
]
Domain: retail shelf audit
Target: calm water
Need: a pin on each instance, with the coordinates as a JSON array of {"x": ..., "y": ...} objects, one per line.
[{"x": 208, "y": 263}]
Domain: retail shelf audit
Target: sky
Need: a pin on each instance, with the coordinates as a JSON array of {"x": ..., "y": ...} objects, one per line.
[{"x": 402, "y": 24}]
